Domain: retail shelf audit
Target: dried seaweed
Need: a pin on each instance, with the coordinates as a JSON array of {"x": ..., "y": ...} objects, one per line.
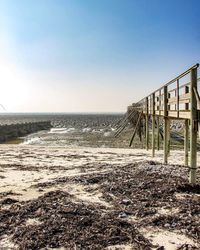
[{"x": 67, "y": 223}]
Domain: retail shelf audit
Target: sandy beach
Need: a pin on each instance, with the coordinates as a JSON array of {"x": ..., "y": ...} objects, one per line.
[
  {"x": 138, "y": 201},
  {"x": 86, "y": 88}
]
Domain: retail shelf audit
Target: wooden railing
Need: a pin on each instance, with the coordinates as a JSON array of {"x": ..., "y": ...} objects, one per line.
[{"x": 177, "y": 99}]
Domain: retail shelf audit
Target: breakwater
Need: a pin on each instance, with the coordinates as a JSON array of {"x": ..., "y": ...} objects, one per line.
[{"x": 13, "y": 131}]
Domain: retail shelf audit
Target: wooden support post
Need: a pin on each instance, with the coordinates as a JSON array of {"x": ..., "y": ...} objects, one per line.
[
  {"x": 186, "y": 141},
  {"x": 153, "y": 124},
  {"x": 147, "y": 123},
  {"x": 168, "y": 137},
  {"x": 135, "y": 130},
  {"x": 193, "y": 127},
  {"x": 166, "y": 140},
  {"x": 168, "y": 105},
  {"x": 158, "y": 133},
  {"x": 177, "y": 97},
  {"x": 160, "y": 102},
  {"x": 166, "y": 127}
]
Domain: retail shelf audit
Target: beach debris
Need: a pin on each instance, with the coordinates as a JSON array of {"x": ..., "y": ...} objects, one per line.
[
  {"x": 139, "y": 184},
  {"x": 122, "y": 215},
  {"x": 8, "y": 201},
  {"x": 125, "y": 201},
  {"x": 136, "y": 193},
  {"x": 187, "y": 247},
  {"x": 63, "y": 222}
]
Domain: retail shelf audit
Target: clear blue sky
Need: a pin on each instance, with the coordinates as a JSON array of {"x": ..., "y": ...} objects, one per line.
[{"x": 92, "y": 56}]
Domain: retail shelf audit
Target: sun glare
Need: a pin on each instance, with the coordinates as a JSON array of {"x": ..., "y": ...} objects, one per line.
[{"x": 14, "y": 90}]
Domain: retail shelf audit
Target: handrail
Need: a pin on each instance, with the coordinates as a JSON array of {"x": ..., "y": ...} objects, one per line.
[
  {"x": 175, "y": 79},
  {"x": 182, "y": 86}
]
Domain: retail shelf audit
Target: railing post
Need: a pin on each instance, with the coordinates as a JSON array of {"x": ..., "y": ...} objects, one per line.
[
  {"x": 166, "y": 127},
  {"x": 177, "y": 97},
  {"x": 147, "y": 123},
  {"x": 193, "y": 127},
  {"x": 158, "y": 121},
  {"x": 160, "y": 102},
  {"x": 153, "y": 124},
  {"x": 186, "y": 104},
  {"x": 186, "y": 138}
]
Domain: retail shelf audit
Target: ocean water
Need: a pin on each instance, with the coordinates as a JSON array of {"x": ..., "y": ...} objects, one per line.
[{"x": 70, "y": 130}]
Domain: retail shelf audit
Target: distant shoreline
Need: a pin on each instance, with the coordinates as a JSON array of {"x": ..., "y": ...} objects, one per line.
[{"x": 62, "y": 113}]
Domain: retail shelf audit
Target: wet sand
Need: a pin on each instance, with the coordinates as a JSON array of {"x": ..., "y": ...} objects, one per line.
[{"x": 145, "y": 204}]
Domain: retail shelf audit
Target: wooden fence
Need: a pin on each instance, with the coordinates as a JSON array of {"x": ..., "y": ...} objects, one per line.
[{"x": 177, "y": 99}]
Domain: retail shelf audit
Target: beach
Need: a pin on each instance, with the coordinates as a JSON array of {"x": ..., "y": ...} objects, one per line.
[
  {"x": 66, "y": 198},
  {"x": 99, "y": 125}
]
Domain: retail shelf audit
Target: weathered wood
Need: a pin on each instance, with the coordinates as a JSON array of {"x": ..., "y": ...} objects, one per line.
[
  {"x": 168, "y": 137},
  {"x": 160, "y": 102},
  {"x": 140, "y": 129},
  {"x": 160, "y": 112},
  {"x": 172, "y": 100},
  {"x": 166, "y": 127},
  {"x": 153, "y": 124},
  {"x": 135, "y": 130},
  {"x": 123, "y": 126},
  {"x": 198, "y": 107},
  {"x": 182, "y": 114},
  {"x": 186, "y": 141},
  {"x": 181, "y": 102},
  {"x": 158, "y": 133},
  {"x": 193, "y": 127},
  {"x": 197, "y": 97},
  {"x": 187, "y": 103},
  {"x": 147, "y": 124},
  {"x": 184, "y": 98},
  {"x": 177, "y": 97}
]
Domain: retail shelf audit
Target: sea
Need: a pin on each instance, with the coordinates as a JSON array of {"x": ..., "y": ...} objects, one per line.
[{"x": 70, "y": 130}]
